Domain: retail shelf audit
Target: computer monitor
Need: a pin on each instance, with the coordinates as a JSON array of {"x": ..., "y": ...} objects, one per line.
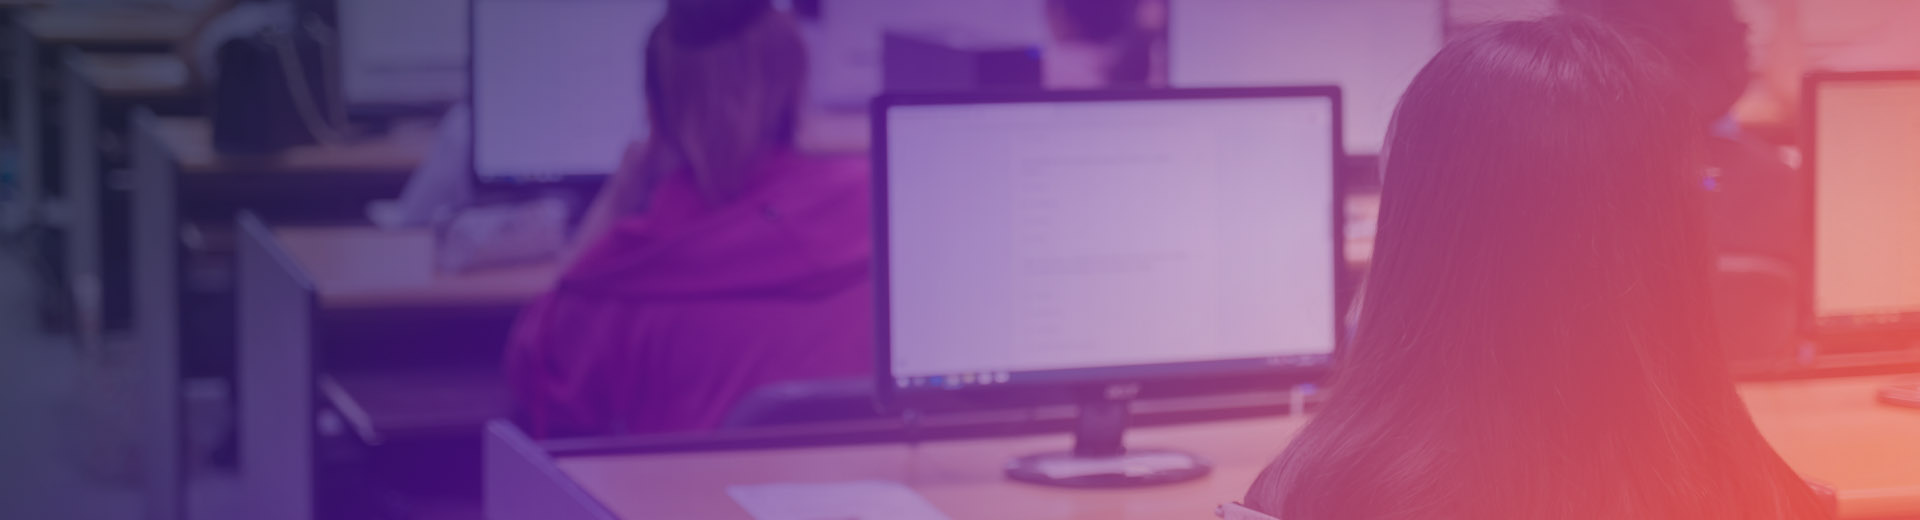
[
  {"x": 847, "y": 40},
  {"x": 556, "y": 92},
  {"x": 1370, "y": 48},
  {"x": 401, "y": 56},
  {"x": 1092, "y": 247},
  {"x": 1863, "y": 161}
]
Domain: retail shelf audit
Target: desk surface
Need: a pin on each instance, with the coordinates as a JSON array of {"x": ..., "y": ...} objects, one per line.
[
  {"x": 133, "y": 75},
  {"x": 109, "y": 26},
  {"x": 190, "y": 140},
  {"x": 961, "y": 478},
  {"x": 1834, "y": 431},
  {"x": 361, "y": 267},
  {"x": 1830, "y": 430}
]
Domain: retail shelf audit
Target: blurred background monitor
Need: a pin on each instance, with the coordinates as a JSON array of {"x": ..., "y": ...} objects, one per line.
[
  {"x": 556, "y": 90},
  {"x": 401, "y": 55},
  {"x": 847, "y": 38},
  {"x": 1093, "y": 247},
  {"x": 1863, "y": 155},
  {"x": 1370, "y": 48}
]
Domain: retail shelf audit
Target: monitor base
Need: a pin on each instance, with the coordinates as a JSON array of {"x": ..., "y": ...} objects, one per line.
[
  {"x": 1131, "y": 469},
  {"x": 1101, "y": 459}
]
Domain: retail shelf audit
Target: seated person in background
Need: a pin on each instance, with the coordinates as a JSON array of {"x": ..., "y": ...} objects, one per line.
[
  {"x": 1536, "y": 341},
  {"x": 719, "y": 260},
  {"x": 1104, "y": 44},
  {"x": 1757, "y": 207}
]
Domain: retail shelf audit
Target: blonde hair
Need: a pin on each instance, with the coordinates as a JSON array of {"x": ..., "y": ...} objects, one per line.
[{"x": 717, "y": 109}]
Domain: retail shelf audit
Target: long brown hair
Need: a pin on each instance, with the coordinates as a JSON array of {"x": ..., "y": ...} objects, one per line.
[
  {"x": 1537, "y": 339},
  {"x": 1705, "y": 38},
  {"x": 718, "y": 106}
]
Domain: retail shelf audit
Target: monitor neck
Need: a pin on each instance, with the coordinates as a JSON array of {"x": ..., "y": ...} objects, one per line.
[{"x": 1102, "y": 426}]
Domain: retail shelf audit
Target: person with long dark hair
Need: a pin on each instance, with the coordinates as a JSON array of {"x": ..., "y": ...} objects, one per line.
[
  {"x": 1757, "y": 205},
  {"x": 1537, "y": 340},
  {"x": 718, "y": 259}
]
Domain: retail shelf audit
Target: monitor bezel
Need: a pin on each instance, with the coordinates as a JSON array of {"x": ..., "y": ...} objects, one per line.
[
  {"x": 588, "y": 181},
  {"x": 1810, "y": 324},
  {"x": 1107, "y": 383}
]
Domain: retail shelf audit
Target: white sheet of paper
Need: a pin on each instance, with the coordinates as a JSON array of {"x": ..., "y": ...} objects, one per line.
[{"x": 861, "y": 500}]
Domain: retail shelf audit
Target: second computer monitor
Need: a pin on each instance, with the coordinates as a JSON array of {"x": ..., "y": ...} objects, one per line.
[
  {"x": 1370, "y": 48},
  {"x": 401, "y": 56},
  {"x": 557, "y": 86},
  {"x": 1864, "y": 162},
  {"x": 1080, "y": 240}
]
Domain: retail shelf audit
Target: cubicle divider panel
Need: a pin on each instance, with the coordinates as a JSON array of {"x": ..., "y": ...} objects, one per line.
[
  {"x": 80, "y": 169},
  {"x": 157, "y": 321},
  {"x": 276, "y": 378},
  {"x": 523, "y": 483},
  {"x": 25, "y": 113}
]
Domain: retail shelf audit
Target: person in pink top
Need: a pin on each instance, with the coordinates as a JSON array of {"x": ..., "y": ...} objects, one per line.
[{"x": 717, "y": 260}]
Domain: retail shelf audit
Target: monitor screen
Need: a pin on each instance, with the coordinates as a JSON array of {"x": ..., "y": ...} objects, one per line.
[
  {"x": 402, "y": 53},
  {"x": 557, "y": 86},
  {"x": 1370, "y": 48},
  {"x": 1099, "y": 239},
  {"x": 1867, "y": 202}
]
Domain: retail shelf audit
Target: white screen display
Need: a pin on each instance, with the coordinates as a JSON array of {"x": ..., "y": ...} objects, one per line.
[
  {"x": 1867, "y": 222},
  {"x": 1372, "y": 49},
  {"x": 1047, "y": 236},
  {"x": 557, "y": 85},
  {"x": 402, "y": 51}
]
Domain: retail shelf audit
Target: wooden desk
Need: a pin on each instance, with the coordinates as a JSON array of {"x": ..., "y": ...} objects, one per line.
[
  {"x": 1830, "y": 430},
  {"x": 109, "y": 27},
  {"x": 123, "y": 75},
  {"x": 304, "y": 183},
  {"x": 1833, "y": 431},
  {"x": 398, "y": 152},
  {"x": 961, "y": 478},
  {"x": 361, "y": 268}
]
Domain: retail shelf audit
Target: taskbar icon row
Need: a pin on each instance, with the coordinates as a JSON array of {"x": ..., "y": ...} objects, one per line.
[{"x": 954, "y": 380}]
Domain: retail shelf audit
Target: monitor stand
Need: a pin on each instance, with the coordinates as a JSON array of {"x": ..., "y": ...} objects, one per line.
[{"x": 1099, "y": 459}]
